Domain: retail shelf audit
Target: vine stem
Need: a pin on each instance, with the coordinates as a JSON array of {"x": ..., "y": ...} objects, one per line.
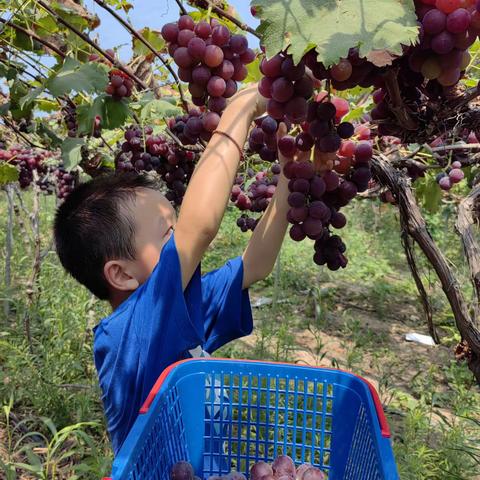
[
  {"x": 88, "y": 40},
  {"x": 183, "y": 11},
  {"x": 9, "y": 124},
  {"x": 34, "y": 36},
  {"x": 142, "y": 39},
  {"x": 8, "y": 248},
  {"x": 457, "y": 146},
  {"x": 222, "y": 13}
]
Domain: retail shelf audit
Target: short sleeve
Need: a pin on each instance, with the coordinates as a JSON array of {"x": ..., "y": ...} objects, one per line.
[
  {"x": 156, "y": 326},
  {"x": 226, "y": 307}
]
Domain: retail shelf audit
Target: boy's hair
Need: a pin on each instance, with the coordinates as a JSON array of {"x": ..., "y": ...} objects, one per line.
[{"x": 92, "y": 227}]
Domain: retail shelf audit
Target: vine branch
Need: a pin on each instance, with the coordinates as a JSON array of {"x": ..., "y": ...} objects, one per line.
[
  {"x": 88, "y": 40},
  {"x": 142, "y": 39},
  {"x": 417, "y": 229},
  {"x": 34, "y": 36},
  {"x": 222, "y": 13},
  {"x": 465, "y": 219}
]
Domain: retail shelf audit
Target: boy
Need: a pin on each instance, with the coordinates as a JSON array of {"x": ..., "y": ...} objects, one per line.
[{"x": 120, "y": 237}]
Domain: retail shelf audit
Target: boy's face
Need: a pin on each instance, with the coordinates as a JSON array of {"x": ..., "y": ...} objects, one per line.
[{"x": 155, "y": 220}]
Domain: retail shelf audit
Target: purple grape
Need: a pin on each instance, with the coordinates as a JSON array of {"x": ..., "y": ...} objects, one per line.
[
  {"x": 305, "y": 169},
  {"x": 248, "y": 56},
  {"x": 458, "y": 21},
  {"x": 319, "y": 210},
  {"x": 456, "y": 175},
  {"x": 203, "y": 29},
  {"x": 326, "y": 111},
  {"x": 317, "y": 187},
  {"x": 201, "y": 75},
  {"x": 182, "y": 470},
  {"x": 301, "y": 185},
  {"x": 275, "y": 109},
  {"x": 196, "y": 47},
  {"x": 220, "y": 35},
  {"x": 296, "y": 109},
  {"x": 269, "y": 125},
  {"x": 238, "y": 44},
  {"x": 170, "y": 32},
  {"x": 230, "y": 89},
  {"x": 345, "y": 130},
  {"x": 329, "y": 143},
  {"x": 213, "y": 56},
  {"x": 291, "y": 71},
  {"x": 338, "y": 220},
  {"x": 217, "y": 104},
  {"x": 282, "y": 90},
  {"x": 347, "y": 190},
  {"x": 304, "y": 141},
  {"x": 312, "y": 228},
  {"x": 225, "y": 70},
  {"x": 259, "y": 470},
  {"x": 331, "y": 180},
  {"x": 182, "y": 58},
  {"x": 296, "y": 233},
  {"x": 296, "y": 199},
  {"x": 186, "y": 22},
  {"x": 216, "y": 86},
  {"x": 442, "y": 43},
  {"x": 363, "y": 152},
  {"x": 319, "y": 128},
  {"x": 434, "y": 22},
  {"x": 299, "y": 214},
  {"x": 287, "y": 146},
  {"x": 445, "y": 183},
  {"x": 303, "y": 87},
  {"x": 272, "y": 66},
  {"x": 184, "y": 37}
]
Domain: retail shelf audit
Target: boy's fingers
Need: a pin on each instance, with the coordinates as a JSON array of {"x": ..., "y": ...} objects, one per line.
[
  {"x": 301, "y": 156},
  {"x": 282, "y": 130}
]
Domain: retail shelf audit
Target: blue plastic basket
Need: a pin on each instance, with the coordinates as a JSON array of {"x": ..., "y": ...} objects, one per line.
[{"x": 227, "y": 414}]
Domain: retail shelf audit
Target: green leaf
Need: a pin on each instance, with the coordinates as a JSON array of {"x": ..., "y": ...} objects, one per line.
[
  {"x": 89, "y": 77},
  {"x": 115, "y": 112},
  {"x": 151, "y": 36},
  {"x": 46, "y": 105},
  {"x": 333, "y": 27},
  {"x": 428, "y": 192},
  {"x": 71, "y": 152},
  {"x": 44, "y": 131},
  {"x": 8, "y": 72},
  {"x": 87, "y": 112},
  {"x": 8, "y": 173},
  {"x": 254, "y": 74},
  {"x": 158, "y": 109},
  {"x": 30, "y": 97}
]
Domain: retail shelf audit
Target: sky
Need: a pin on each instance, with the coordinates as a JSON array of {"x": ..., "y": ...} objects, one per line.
[{"x": 153, "y": 14}]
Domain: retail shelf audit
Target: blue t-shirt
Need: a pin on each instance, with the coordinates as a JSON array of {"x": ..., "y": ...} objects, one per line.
[{"x": 157, "y": 325}]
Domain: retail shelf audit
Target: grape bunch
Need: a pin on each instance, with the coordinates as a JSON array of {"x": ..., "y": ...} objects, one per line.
[
  {"x": 349, "y": 72},
  {"x": 316, "y": 199},
  {"x": 143, "y": 151},
  {"x": 263, "y": 139},
  {"x": 287, "y": 88},
  {"x": 282, "y": 468},
  {"x": 65, "y": 182},
  {"x": 70, "y": 117},
  {"x": 447, "y": 179},
  {"x": 194, "y": 125},
  {"x": 447, "y": 29},
  {"x": 256, "y": 197},
  {"x": 27, "y": 160},
  {"x": 120, "y": 84},
  {"x": 209, "y": 58}
]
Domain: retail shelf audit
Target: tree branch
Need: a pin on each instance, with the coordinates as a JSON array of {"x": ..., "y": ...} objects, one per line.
[
  {"x": 417, "y": 229},
  {"x": 34, "y": 36},
  {"x": 465, "y": 219},
  {"x": 142, "y": 39},
  {"x": 181, "y": 7},
  {"x": 88, "y": 40},
  {"x": 9, "y": 124}
]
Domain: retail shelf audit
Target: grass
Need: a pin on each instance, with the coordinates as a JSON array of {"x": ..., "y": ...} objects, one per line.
[{"x": 52, "y": 424}]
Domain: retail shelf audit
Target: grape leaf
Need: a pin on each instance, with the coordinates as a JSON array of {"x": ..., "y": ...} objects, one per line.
[
  {"x": 428, "y": 192},
  {"x": 8, "y": 173},
  {"x": 151, "y": 36},
  {"x": 88, "y": 77},
  {"x": 158, "y": 109},
  {"x": 72, "y": 152},
  {"x": 334, "y": 27},
  {"x": 49, "y": 135},
  {"x": 115, "y": 112},
  {"x": 4, "y": 108},
  {"x": 254, "y": 74},
  {"x": 30, "y": 97},
  {"x": 87, "y": 112}
]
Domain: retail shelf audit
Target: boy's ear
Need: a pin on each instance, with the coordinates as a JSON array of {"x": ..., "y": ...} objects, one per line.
[{"x": 119, "y": 276}]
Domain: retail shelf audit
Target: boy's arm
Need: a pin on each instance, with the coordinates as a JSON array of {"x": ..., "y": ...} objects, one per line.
[
  {"x": 265, "y": 243},
  {"x": 209, "y": 189}
]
